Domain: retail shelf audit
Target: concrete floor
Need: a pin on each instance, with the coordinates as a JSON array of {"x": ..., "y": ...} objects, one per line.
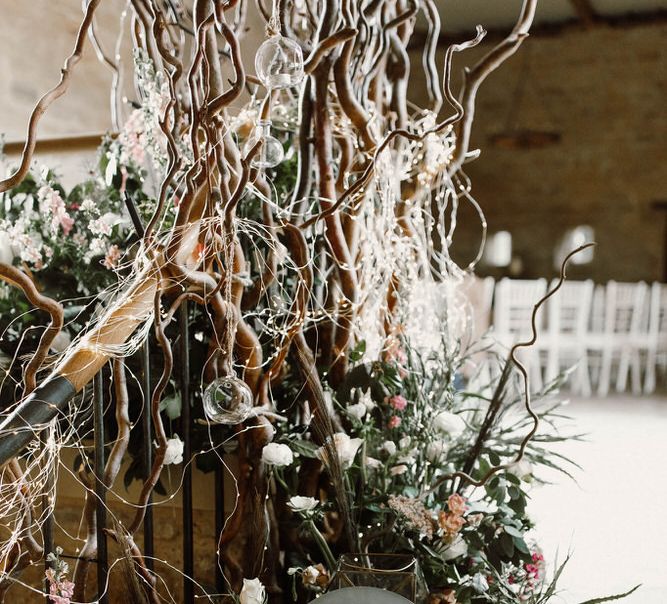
[{"x": 614, "y": 521}]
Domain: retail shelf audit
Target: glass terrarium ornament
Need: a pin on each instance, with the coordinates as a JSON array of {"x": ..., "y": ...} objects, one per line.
[
  {"x": 279, "y": 63},
  {"x": 227, "y": 400},
  {"x": 271, "y": 152}
]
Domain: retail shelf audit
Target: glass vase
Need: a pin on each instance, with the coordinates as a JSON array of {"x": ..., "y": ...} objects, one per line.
[{"x": 398, "y": 573}]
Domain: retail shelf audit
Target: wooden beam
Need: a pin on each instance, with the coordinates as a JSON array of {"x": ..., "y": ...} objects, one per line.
[
  {"x": 59, "y": 143},
  {"x": 585, "y": 12},
  {"x": 544, "y": 30}
]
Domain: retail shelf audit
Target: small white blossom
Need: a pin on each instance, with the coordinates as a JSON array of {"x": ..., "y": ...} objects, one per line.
[
  {"x": 357, "y": 411},
  {"x": 6, "y": 252},
  {"x": 436, "y": 451},
  {"x": 88, "y": 205},
  {"x": 276, "y": 454},
  {"x": 479, "y": 583},
  {"x": 253, "y": 592},
  {"x": 302, "y": 504},
  {"x": 346, "y": 448},
  {"x": 174, "y": 452},
  {"x": 456, "y": 548},
  {"x": 389, "y": 447},
  {"x": 398, "y": 470},
  {"x": 521, "y": 469},
  {"x": 449, "y": 423}
]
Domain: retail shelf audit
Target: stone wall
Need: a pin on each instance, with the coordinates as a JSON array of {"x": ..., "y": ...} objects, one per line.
[{"x": 604, "y": 91}]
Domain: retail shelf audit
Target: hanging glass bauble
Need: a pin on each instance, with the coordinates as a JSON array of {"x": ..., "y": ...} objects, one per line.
[
  {"x": 279, "y": 63},
  {"x": 271, "y": 152},
  {"x": 227, "y": 400}
]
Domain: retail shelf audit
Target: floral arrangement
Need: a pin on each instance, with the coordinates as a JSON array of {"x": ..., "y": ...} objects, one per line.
[
  {"x": 410, "y": 425},
  {"x": 297, "y": 235}
]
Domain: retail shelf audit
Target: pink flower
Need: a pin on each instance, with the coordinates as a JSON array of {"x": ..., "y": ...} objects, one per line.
[
  {"x": 532, "y": 570},
  {"x": 394, "y": 422},
  {"x": 398, "y": 402},
  {"x": 456, "y": 504},
  {"x": 112, "y": 257},
  {"x": 66, "y": 222},
  {"x": 66, "y": 588},
  {"x": 394, "y": 353}
]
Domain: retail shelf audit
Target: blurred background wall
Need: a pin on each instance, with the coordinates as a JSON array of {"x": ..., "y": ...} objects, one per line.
[{"x": 572, "y": 132}]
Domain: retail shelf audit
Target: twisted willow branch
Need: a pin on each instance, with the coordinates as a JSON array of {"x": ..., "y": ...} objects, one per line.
[{"x": 526, "y": 388}]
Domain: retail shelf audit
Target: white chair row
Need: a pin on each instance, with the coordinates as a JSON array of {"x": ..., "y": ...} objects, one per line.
[{"x": 617, "y": 330}]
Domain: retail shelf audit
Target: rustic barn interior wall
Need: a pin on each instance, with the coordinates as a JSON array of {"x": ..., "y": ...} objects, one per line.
[{"x": 597, "y": 96}]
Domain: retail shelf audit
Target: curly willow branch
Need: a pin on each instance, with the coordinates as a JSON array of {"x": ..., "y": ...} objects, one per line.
[
  {"x": 526, "y": 385},
  {"x": 19, "y": 279},
  {"x": 43, "y": 104}
]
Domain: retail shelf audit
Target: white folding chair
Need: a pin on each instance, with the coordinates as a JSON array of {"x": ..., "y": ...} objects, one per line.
[
  {"x": 514, "y": 301},
  {"x": 568, "y": 315},
  {"x": 624, "y": 304},
  {"x": 656, "y": 334}
]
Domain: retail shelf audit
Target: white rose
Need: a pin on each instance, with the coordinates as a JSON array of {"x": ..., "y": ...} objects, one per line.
[
  {"x": 456, "y": 548},
  {"x": 398, "y": 470},
  {"x": 358, "y": 411},
  {"x": 252, "y": 592},
  {"x": 277, "y": 455},
  {"x": 302, "y": 504},
  {"x": 174, "y": 452},
  {"x": 436, "y": 451},
  {"x": 523, "y": 470},
  {"x": 389, "y": 447},
  {"x": 449, "y": 423},
  {"x": 346, "y": 448}
]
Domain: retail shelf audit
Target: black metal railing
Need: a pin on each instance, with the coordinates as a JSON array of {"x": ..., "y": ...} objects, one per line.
[{"x": 102, "y": 560}]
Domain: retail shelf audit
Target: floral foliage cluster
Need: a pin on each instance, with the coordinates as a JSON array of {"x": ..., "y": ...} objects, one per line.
[
  {"x": 409, "y": 425},
  {"x": 60, "y": 588}
]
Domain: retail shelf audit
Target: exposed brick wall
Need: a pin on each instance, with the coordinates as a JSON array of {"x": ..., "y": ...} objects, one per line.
[{"x": 604, "y": 90}]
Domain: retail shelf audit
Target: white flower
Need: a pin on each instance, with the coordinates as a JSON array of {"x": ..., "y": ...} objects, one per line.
[
  {"x": 346, "y": 448},
  {"x": 61, "y": 341},
  {"x": 389, "y": 447},
  {"x": 302, "y": 504},
  {"x": 436, "y": 451},
  {"x": 523, "y": 470},
  {"x": 398, "y": 470},
  {"x": 404, "y": 443},
  {"x": 6, "y": 252},
  {"x": 449, "y": 423},
  {"x": 174, "y": 452},
  {"x": 277, "y": 455},
  {"x": 252, "y": 592},
  {"x": 479, "y": 583},
  {"x": 373, "y": 463},
  {"x": 456, "y": 548},
  {"x": 88, "y": 205},
  {"x": 368, "y": 401},
  {"x": 358, "y": 411}
]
